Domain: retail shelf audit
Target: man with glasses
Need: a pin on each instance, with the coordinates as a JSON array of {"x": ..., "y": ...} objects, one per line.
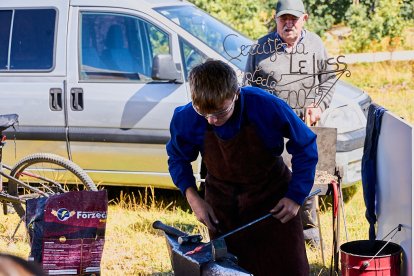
[
  {"x": 292, "y": 63},
  {"x": 240, "y": 134}
]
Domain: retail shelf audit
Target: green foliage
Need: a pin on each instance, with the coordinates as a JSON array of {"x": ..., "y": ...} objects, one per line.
[
  {"x": 393, "y": 22},
  {"x": 247, "y": 16},
  {"x": 373, "y": 21},
  {"x": 324, "y": 14},
  {"x": 407, "y": 9},
  {"x": 355, "y": 17}
]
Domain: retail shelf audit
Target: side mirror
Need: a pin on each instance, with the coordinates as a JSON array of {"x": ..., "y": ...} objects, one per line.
[{"x": 163, "y": 68}]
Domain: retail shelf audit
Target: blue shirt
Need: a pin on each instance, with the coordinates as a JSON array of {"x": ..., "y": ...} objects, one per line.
[{"x": 273, "y": 119}]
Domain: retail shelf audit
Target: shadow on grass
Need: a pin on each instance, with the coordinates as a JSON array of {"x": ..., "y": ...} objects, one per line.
[
  {"x": 319, "y": 270},
  {"x": 146, "y": 195}
]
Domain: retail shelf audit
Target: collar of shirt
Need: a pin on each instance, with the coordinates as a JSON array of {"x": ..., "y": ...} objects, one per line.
[{"x": 283, "y": 43}]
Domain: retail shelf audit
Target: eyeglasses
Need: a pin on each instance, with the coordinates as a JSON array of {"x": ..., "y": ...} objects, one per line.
[
  {"x": 220, "y": 114},
  {"x": 287, "y": 17}
]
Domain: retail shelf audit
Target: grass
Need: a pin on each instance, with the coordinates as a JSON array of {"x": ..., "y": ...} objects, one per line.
[
  {"x": 389, "y": 84},
  {"x": 133, "y": 248}
]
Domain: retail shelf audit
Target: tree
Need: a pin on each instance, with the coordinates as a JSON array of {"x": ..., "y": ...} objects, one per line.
[
  {"x": 371, "y": 22},
  {"x": 247, "y": 16}
]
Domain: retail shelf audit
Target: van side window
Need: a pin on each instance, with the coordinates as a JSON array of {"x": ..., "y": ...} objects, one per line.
[
  {"x": 5, "y": 22},
  {"x": 191, "y": 56},
  {"x": 119, "y": 47},
  {"x": 33, "y": 38}
]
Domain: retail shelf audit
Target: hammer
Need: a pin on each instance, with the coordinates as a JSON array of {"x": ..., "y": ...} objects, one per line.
[{"x": 183, "y": 238}]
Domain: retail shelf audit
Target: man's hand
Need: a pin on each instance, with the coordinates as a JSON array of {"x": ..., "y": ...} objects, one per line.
[
  {"x": 313, "y": 115},
  {"x": 285, "y": 210},
  {"x": 202, "y": 210}
]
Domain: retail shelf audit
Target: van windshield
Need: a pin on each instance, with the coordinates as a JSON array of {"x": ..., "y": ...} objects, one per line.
[{"x": 220, "y": 37}]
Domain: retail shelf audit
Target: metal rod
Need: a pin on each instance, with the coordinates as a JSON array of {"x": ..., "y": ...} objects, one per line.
[
  {"x": 18, "y": 182},
  {"x": 317, "y": 191},
  {"x": 245, "y": 226},
  {"x": 367, "y": 263},
  {"x": 318, "y": 212},
  {"x": 343, "y": 214},
  {"x": 199, "y": 248},
  {"x": 15, "y": 230}
]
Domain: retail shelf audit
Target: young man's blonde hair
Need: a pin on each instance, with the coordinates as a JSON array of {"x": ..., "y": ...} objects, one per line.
[{"x": 211, "y": 83}]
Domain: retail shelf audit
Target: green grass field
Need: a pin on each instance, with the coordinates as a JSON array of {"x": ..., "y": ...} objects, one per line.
[{"x": 133, "y": 248}]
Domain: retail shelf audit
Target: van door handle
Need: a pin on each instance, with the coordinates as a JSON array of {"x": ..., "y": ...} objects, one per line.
[
  {"x": 76, "y": 99},
  {"x": 55, "y": 99}
]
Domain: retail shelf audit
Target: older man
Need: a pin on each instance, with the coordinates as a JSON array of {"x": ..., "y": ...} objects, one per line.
[{"x": 292, "y": 63}]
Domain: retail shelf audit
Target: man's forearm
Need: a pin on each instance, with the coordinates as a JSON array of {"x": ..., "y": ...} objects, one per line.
[{"x": 191, "y": 195}]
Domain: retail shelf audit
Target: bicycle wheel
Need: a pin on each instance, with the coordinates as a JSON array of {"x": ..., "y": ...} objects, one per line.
[{"x": 42, "y": 174}]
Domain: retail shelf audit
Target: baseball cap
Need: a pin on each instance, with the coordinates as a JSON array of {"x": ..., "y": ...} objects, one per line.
[{"x": 294, "y": 7}]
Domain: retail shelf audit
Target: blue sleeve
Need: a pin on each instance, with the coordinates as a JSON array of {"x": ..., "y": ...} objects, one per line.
[
  {"x": 276, "y": 120},
  {"x": 302, "y": 147},
  {"x": 183, "y": 148}
]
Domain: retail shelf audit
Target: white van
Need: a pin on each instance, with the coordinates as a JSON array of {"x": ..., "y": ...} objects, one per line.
[{"x": 97, "y": 81}]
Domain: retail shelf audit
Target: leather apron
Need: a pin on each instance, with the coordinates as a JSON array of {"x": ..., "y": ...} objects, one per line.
[{"x": 244, "y": 182}]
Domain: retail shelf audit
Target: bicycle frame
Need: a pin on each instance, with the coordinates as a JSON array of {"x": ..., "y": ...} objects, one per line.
[
  {"x": 36, "y": 175},
  {"x": 4, "y": 196}
]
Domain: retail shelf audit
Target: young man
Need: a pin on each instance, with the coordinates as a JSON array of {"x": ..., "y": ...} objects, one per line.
[
  {"x": 240, "y": 134},
  {"x": 293, "y": 64}
]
